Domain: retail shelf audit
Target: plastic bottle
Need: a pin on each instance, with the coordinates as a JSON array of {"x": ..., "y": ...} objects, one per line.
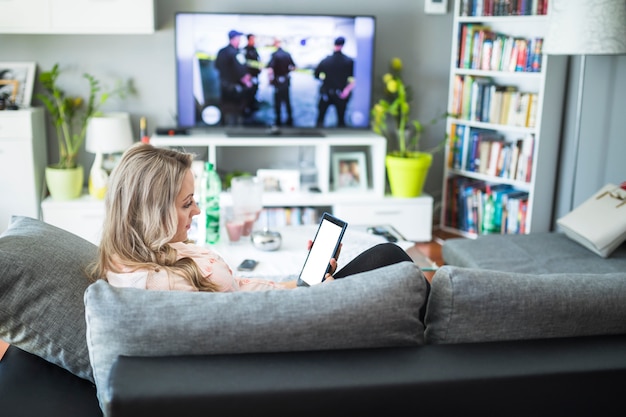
[{"x": 211, "y": 187}]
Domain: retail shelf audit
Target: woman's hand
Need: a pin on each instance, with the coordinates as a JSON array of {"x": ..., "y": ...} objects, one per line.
[{"x": 333, "y": 262}]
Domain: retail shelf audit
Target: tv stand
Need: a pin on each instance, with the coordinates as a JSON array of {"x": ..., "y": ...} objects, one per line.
[
  {"x": 412, "y": 217},
  {"x": 256, "y": 132}
]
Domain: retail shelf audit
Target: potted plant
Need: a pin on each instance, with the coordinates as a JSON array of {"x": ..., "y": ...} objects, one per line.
[
  {"x": 70, "y": 116},
  {"x": 407, "y": 166}
]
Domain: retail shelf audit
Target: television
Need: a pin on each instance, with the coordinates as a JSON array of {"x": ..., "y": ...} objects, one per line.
[{"x": 215, "y": 91}]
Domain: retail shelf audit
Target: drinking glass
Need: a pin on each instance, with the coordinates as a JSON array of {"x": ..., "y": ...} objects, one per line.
[{"x": 247, "y": 194}]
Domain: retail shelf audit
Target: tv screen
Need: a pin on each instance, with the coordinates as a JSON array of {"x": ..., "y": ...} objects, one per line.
[{"x": 265, "y": 70}]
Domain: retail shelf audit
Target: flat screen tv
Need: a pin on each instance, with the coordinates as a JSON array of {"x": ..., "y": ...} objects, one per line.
[{"x": 304, "y": 63}]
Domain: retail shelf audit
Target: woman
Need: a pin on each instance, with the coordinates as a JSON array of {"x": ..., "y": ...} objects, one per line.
[{"x": 149, "y": 209}]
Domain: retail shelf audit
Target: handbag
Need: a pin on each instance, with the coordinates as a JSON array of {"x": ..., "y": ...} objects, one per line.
[{"x": 599, "y": 223}]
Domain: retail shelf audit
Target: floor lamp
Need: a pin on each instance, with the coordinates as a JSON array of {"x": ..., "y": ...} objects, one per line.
[{"x": 585, "y": 27}]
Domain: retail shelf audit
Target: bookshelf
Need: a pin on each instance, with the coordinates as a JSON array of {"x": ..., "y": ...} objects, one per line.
[{"x": 507, "y": 100}]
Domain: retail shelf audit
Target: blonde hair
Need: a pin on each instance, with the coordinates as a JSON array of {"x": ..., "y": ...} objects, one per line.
[{"x": 141, "y": 217}]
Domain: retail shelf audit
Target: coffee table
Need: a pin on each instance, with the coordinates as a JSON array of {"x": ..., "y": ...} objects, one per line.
[{"x": 286, "y": 262}]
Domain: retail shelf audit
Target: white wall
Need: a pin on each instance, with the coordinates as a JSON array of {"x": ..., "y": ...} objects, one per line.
[{"x": 601, "y": 155}]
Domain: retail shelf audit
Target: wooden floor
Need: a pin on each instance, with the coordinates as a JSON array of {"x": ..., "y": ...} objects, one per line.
[{"x": 432, "y": 249}]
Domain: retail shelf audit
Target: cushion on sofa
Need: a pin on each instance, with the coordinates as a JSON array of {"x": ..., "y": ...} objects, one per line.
[
  {"x": 42, "y": 282},
  {"x": 472, "y": 305},
  {"x": 374, "y": 309},
  {"x": 547, "y": 252}
]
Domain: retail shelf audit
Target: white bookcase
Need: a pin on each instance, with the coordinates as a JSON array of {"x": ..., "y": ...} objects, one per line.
[
  {"x": 547, "y": 85},
  {"x": 22, "y": 163}
]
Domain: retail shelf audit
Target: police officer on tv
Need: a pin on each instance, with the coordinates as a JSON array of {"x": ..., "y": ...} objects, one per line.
[
  {"x": 336, "y": 72},
  {"x": 235, "y": 81},
  {"x": 280, "y": 65},
  {"x": 253, "y": 64}
]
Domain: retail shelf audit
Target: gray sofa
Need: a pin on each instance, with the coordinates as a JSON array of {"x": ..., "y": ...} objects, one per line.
[{"x": 492, "y": 342}]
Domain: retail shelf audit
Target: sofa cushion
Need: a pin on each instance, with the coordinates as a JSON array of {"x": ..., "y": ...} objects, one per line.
[
  {"x": 472, "y": 305},
  {"x": 42, "y": 282},
  {"x": 548, "y": 252},
  {"x": 374, "y": 309}
]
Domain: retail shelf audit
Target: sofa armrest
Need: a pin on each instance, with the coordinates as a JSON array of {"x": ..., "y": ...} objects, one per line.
[
  {"x": 32, "y": 386},
  {"x": 541, "y": 377}
]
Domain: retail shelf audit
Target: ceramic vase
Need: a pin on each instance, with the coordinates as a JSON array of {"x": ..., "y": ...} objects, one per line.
[
  {"x": 65, "y": 184},
  {"x": 407, "y": 175}
]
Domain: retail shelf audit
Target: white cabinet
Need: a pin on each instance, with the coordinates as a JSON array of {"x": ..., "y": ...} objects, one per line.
[
  {"x": 77, "y": 16},
  {"x": 411, "y": 217},
  {"x": 309, "y": 154},
  {"x": 488, "y": 135},
  {"x": 83, "y": 216},
  {"x": 22, "y": 163}
]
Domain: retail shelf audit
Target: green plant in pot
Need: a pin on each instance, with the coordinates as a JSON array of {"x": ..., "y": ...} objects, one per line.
[
  {"x": 69, "y": 116},
  {"x": 407, "y": 166}
]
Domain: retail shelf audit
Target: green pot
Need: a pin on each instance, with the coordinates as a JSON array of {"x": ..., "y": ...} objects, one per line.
[
  {"x": 65, "y": 184},
  {"x": 407, "y": 175}
]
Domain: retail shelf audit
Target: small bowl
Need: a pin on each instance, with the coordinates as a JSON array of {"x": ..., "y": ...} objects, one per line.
[{"x": 266, "y": 240}]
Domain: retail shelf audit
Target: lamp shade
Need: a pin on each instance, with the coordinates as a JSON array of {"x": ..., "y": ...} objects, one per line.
[
  {"x": 586, "y": 27},
  {"x": 109, "y": 133}
]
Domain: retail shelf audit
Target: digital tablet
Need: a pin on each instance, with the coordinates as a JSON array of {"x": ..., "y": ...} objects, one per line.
[{"x": 325, "y": 246}]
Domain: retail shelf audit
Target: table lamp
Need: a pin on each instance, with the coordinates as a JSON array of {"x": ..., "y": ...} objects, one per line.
[
  {"x": 585, "y": 27},
  {"x": 109, "y": 133}
]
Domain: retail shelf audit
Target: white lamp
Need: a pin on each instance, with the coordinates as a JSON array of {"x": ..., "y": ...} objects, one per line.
[
  {"x": 109, "y": 133},
  {"x": 585, "y": 27}
]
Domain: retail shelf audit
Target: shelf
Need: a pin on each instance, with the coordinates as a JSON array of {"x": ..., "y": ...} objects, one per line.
[{"x": 467, "y": 183}]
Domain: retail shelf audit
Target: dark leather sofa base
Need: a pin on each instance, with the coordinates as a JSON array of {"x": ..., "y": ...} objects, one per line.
[
  {"x": 558, "y": 377},
  {"x": 33, "y": 387}
]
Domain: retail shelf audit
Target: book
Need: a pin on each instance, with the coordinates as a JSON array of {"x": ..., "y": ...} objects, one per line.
[
  {"x": 468, "y": 81},
  {"x": 531, "y": 117}
]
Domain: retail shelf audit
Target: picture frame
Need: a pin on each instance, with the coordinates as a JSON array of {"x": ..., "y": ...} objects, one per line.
[
  {"x": 435, "y": 6},
  {"x": 349, "y": 171},
  {"x": 17, "y": 79}
]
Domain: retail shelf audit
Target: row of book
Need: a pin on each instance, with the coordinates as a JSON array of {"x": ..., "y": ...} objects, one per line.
[
  {"x": 481, "y": 48},
  {"x": 482, "y": 100},
  {"x": 503, "y": 7},
  {"x": 480, "y": 208},
  {"x": 489, "y": 153},
  {"x": 273, "y": 217}
]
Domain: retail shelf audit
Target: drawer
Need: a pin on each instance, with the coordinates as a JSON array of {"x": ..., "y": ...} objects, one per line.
[
  {"x": 15, "y": 124},
  {"x": 412, "y": 217}
]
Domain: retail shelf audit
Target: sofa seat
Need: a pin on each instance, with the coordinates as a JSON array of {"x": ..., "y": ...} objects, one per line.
[{"x": 550, "y": 252}]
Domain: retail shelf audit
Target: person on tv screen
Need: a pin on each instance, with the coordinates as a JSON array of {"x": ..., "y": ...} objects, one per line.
[
  {"x": 253, "y": 65},
  {"x": 280, "y": 65},
  {"x": 336, "y": 72},
  {"x": 235, "y": 81}
]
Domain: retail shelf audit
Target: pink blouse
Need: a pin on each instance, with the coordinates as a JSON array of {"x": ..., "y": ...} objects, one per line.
[{"x": 210, "y": 263}]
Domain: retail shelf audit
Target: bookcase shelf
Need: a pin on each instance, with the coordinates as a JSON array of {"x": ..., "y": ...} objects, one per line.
[{"x": 501, "y": 159}]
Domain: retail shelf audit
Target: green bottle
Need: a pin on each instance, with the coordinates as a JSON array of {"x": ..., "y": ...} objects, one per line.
[{"x": 211, "y": 187}]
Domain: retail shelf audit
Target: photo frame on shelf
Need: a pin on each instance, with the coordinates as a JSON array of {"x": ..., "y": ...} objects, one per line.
[
  {"x": 349, "y": 171},
  {"x": 17, "y": 80}
]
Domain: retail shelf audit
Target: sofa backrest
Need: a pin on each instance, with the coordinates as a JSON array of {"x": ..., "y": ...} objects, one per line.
[{"x": 477, "y": 305}]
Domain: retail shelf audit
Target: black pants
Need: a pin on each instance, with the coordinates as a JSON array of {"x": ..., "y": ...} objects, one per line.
[
  {"x": 281, "y": 95},
  {"x": 383, "y": 254},
  {"x": 326, "y": 100}
]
